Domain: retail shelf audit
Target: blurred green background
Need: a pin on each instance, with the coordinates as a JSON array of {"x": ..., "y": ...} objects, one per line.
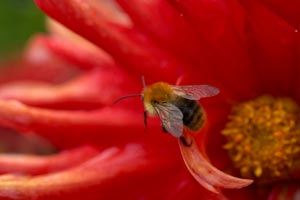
[{"x": 19, "y": 19}]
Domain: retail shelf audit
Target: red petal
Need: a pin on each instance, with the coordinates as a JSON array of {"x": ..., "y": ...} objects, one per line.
[
  {"x": 273, "y": 49},
  {"x": 287, "y": 10},
  {"x": 90, "y": 90},
  {"x": 98, "y": 178},
  {"x": 126, "y": 44},
  {"x": 221, "y": 26},
  {"x": 166, "y": 26},
  {"x": 207, "y": 175},
  {"x": 66, "y": 128},
  {"x": 30, "y": 164},
  {"x": 83, "y": 56}
]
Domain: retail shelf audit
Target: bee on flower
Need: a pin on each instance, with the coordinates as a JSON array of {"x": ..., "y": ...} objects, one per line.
[{"x": 176, "y": 106}]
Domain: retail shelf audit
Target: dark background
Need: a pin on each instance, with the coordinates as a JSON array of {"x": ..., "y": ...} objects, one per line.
[{"x": 19, "y": 19}]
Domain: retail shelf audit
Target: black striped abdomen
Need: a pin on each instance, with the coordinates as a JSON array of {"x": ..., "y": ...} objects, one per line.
[{"x": 193, "y": 115}]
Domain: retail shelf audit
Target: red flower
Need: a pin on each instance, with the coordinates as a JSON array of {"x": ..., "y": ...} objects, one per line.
[{"x": 246, "y": 48}]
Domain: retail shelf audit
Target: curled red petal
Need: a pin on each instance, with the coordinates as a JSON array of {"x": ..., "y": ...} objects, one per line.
[
  {"x": 34, "y": 164},
  {"x": 98, "y": 178},
  {"x": 205, "y": 173},
  {"x": 127, "y": 45}
]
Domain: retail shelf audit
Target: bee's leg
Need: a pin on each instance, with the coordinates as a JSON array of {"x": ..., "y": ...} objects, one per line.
[
  {"x": 184, "y": 142},
  {"x": 164, "y": 129},
  {"x": 145, "y": 118}
]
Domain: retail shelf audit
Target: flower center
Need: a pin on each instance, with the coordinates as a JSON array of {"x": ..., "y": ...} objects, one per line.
[{"x": 263, "y": 139}]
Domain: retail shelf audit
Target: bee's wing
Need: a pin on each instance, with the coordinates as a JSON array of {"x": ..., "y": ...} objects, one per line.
[
  {"x": 171, "y": 118},
  {"x": 195, "y": 92}
]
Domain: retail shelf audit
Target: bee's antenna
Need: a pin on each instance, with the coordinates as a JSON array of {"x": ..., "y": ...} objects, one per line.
[
  {"x": 126, "y": 96},
  {"x": 132, "y": 95}
]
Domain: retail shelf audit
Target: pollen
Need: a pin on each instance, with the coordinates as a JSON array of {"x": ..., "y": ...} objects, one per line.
[{"x": 263, "y": 139}]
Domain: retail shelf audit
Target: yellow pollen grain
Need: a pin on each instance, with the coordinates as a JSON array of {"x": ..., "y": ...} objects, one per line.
[
  {"x": 247, "y": 148},
  {"x": 278, "y": 154},
  {"x": 258, "y": 172},
  {"x": 238, "y": 137},
  {"x": 263, "y": 138},
  {"x": 278, "y": 134}
]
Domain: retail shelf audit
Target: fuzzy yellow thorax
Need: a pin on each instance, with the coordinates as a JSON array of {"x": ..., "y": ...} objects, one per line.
[{"x": 159, "y": 92}]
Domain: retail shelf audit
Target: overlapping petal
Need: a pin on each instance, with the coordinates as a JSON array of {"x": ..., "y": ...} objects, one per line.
[
  {"x": 207, "y": 175},
  {"x": 76, "y": 53},
  {"x": 99, "y": 126},
  {"x": 34, "y": 164},
  {"x": 225, "y": 42},
  {"x": 90, "y": 180},
  {"x": 127, "y": 45},
  {"x": 92, "y": 89}
]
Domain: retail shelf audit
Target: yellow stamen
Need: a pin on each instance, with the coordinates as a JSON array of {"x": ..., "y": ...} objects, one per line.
[{"x": 264, "y": 138}]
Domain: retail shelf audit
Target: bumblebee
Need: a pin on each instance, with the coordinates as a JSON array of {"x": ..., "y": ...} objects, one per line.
[{"x": 176, "y": 106}]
